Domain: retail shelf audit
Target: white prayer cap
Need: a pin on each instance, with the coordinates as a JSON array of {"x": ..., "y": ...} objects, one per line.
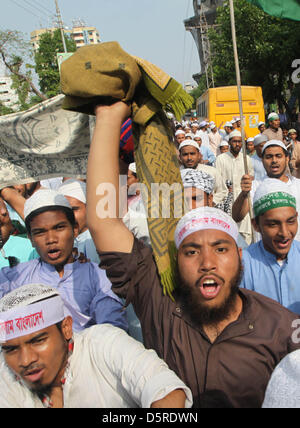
[
  {"x": 189, "y": 134},
  {"x": 234, "y": 134},
  {"x": 273, "y": 116},
  {"x": 205, "y": 218},
  {"x": 199, "y": 179},
  {"x": 132, "y": 167},
  {"x": 189, "y": 143},
  {"x": 195, "y": 124},
  {"x": 45, "y": 198},
  {"x": 274, "y": 143},
  {"x": 202, "y": 124},
  {"x": 272, "y": 193},
  {"x": 250, "y": 140},
  {"x": 261, "y": 123},
  {"x": 223, "y": 143},
  {"x": 228, "y": 124},
  {"x": 213, "y": 126},
  {"x": 74, "y": 189},
  {"x": 28, "y": 309},
  {"x": 260, "y": 138},
  {"x": 292, "y": 131},
  {"x": 198, "y": 135},
  {"x": 179, "y": 132},
  {"x": 211, "y": 123}
]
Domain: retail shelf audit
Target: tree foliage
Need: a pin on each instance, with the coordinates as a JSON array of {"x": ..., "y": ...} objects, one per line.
[
  {"x": 267, "y": 47},
  {"x": 17, "y": 56},
  {"x": 46, "y": 61}
]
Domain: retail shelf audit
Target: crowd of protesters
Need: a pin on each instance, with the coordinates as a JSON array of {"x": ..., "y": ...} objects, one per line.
[{"x": 84, "y": 321}]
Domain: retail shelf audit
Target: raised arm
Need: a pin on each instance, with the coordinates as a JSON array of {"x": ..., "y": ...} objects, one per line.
[
  {"x": 14, "y": 199},
  {"x": 240, "y": 207},
  {"x": 108, "y": 231}
]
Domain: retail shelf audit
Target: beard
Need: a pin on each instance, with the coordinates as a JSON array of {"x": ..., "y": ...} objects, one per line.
[{"x": 199, "y": 312}]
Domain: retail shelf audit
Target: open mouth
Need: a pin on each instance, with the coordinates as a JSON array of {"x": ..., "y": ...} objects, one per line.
[
  {"x": 33, "y": 375},
  {"x": 283, "y": 244},
  {"x": 54, "y": 254},
  {"x": 275, "y": 168},
  {"x": 210, "y": 288}
]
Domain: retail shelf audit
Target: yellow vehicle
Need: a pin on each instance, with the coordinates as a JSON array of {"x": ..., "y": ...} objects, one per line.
[{"x": 221, "y": 105}]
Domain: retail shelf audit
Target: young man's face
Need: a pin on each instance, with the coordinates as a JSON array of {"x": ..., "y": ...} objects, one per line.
[
  {"x": 275, "y": 124},
  {"x": 6, "y": 226},
  {"x": 224, "y": 149},
  {"x": 250, "y": 146},
  {"x": 259, "y": 149},
  {"x": 53, "y": 237},
  {"x": 180, "y": 138},
  {"x": 278, "y": 228},
  {"x": 209, "y": 268},
  {"x": 235, "y": 145},
  {"x": 39, "y": 358},
  {"x": 190, "y": 157},
  {"x": 262, "y": 128},
  {"x": 275, "y": 161},
  {"x": 79, "y": 210}
]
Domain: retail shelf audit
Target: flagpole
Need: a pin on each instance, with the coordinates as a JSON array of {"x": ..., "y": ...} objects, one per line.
[{"x": 239, "y": 88}]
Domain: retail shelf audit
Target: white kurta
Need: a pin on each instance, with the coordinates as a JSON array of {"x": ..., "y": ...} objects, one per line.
[
  {"x": 108, "y": 369},
  {"x": 232, "y": 168}
]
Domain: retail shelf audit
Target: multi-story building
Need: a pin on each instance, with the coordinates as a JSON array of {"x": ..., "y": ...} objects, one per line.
[
  {"x": 8, "y": 96},
  {"x": 82, "y": 34}
]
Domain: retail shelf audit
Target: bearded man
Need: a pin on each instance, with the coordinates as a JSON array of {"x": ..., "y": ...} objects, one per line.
[{"x": 222, "y": 341}]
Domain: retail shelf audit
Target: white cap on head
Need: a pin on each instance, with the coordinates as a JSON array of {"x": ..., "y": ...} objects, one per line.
[
  {"x": 273, "y": 116},
  {"x": 202, "y": 124},
  {"x": 223, "y": 143},
  {"x": 260, "y": 138},
  {"x": 45, "y": 198},
  {"x": 74, "y": 189},
  {"x": 198, "y": 135},
  {"x": 205, "y": 218},
  {"x": 250, "y": 140},
  {"x": 234, "y": 134},
  {"x": 274, "y": 143},
  {"x": 179, "y": 132},
  {"x": 189, "y": 143},
  {"x": 228, "y": 124},
  {"x": 261, "y": 123},
  {"x": 28, "y": 309},
  {"x": 189, "y": 134},
  {"x": 273, "y": 193},
  {"x": 132, "y": 167}
]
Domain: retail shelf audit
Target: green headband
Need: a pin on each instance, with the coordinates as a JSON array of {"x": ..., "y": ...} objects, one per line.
[{"x": 273, "y": 200}]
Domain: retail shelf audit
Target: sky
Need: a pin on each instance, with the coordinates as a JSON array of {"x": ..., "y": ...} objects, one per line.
[{"x": 151, "y": 29}]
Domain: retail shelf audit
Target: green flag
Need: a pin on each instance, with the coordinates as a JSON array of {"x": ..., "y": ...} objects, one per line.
[{"x": 289, "y": 9}]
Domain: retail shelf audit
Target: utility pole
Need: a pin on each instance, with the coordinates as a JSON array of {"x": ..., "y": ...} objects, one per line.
[
  {"x": 204, "y": 31},
  {"x": 61, "y": 26}
]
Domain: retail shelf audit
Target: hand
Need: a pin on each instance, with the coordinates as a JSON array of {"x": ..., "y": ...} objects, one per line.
[
  {"x": 246, "y": 184},
  {"x": 118, "y": 111}
]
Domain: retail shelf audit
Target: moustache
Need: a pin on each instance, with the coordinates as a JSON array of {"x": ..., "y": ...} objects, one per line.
[{"x": 32, "y": 368}]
